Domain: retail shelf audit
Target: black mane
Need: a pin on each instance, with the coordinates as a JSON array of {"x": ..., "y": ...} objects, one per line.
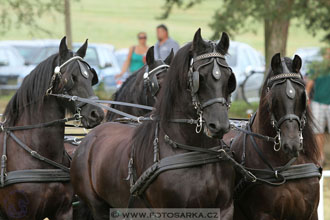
[
  {"x": 122, "y": 92},
  {"x": 32, "y": 90},
  {"x": 175, "y": 83}
]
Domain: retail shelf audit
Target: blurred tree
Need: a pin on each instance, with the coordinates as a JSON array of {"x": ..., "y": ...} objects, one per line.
[
  {"x": 18, "y": 13},
  {"x": 234, "y": 16}
]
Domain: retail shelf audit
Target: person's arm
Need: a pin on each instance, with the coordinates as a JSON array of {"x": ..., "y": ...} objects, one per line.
[{"x": 126, "y": 64}]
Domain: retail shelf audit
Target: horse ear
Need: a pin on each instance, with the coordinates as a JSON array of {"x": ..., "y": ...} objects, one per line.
[
  {"x": 276, "y": 63},
  {"x": 223, "y": 44},
  {"x": 82, "y": 50},
  {"x": 169, "y": 58},
  {"x": 150, "y": 57},
  {"x": 198, "y": 42},
  {"x": 296, "y": 64},
  {"x": 63, "y": 50}
]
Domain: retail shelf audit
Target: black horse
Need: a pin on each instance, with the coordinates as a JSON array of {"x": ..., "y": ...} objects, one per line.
[
  {"x": 31, "y": 152},
  {"x": 284, "y": 156},
  {"x": 198, "y": 84},
  {"x": 142, "y": 86}
]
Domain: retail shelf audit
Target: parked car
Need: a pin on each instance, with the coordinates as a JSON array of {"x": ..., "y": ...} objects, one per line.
[
  {"x": 27, "y": 48},
  {"x": 308, "y": 55},
  {"x": 245, "y": 60},
  {"x": 12, "y": 67},
  {"x": 100, "y": 56}
]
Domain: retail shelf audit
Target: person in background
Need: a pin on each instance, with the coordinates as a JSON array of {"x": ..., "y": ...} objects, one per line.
[
  {"x": 319, "y": 81},
  {"x": 136, "y": 56},
  {"x": 165, "y": 43}
]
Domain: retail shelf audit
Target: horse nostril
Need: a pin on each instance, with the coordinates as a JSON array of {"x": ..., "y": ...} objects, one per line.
[
  {"x": 94, "y": 115},
  {"x": 212, "y": 126}
]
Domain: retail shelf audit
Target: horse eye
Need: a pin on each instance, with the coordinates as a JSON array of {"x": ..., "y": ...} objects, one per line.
[{"x": 74, "y": 78}]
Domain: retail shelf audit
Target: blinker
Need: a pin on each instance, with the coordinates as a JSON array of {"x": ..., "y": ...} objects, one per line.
[{"x": 83, "y": 70}]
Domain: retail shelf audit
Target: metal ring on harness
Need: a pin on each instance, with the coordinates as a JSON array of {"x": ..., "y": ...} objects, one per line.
[{"x": 277, "y": 141}]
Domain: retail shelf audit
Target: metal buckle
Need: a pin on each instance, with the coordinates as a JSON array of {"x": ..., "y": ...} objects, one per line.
[
  {"x": 301, "y": 139},
  {"x": 254, "y": 178},
  {"x": 4, "y": 158},
  {"x": 277, "y": 141},
  {"x": 199, "y": 124}
]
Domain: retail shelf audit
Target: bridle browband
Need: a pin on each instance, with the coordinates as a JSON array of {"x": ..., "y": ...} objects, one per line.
[
  {"x": 290, "y": 92},
  {"x": 193, "y": 75}
]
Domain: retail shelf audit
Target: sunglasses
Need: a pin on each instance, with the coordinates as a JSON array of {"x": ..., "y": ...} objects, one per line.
[{"x": 142, "y": 37}]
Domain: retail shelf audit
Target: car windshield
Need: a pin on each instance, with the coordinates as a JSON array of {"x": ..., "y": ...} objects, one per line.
[{"x": 28, "y": 53}]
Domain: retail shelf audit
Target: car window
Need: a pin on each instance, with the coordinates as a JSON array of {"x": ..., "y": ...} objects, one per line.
[
  {"x": 231, "y": 57},
  {"x": 14, "y": 58},
  {"x": 44, "y": 53},
  {"x": 91, "y": 56},
  {"x": 3, "y": 57},
  {"x": 28, "y": 52}
]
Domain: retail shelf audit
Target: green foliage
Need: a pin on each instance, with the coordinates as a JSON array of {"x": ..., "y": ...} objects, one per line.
[
  {"x": 18, "y": 13},
  {"x": 234, "y": 16},
  {"x": 240, "y": 109},
  {"x": 318, "y": 18},
  {"x": 320, "y": 68}
]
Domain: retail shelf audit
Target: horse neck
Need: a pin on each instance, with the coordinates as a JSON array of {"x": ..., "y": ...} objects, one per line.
[{"x": 48, "y": 141}]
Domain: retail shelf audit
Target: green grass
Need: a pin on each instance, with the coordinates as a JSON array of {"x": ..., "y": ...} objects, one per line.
[{"x": 118, "y": 22}]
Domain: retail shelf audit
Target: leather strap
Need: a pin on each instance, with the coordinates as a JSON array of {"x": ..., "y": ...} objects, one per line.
[
  {"x": 36, "y": 176},
  {"x": 221, "y": 100},
  {"x": 36, "y": 155}
]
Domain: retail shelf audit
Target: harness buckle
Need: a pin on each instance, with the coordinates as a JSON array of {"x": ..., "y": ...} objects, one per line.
[
  {"x": 301, "y": 139},
  {"x": 139, "y": 119},
  {"x": 276, "y": 174},
  {"x": 199, "y": 124},
  {"x": 254, "y": 178},
  {"x": 277, "y": 141},
  {"x": 74, "y": 98},
  {"x": 4, "y": 158}
]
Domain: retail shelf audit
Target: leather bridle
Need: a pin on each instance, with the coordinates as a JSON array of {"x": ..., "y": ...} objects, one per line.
[
  {"x": 69, "y": 83},
  {"x": 150, "y": 80},
  {"x": 193, "y": 75},
  {"x": 287, "y": 78}
]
